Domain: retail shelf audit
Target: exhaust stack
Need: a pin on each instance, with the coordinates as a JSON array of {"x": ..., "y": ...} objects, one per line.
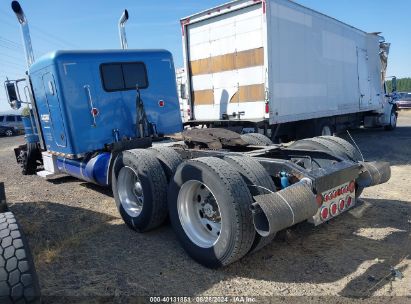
[
  {"x": 15, "y": 6},
  {"x": 122, "y": 29}
]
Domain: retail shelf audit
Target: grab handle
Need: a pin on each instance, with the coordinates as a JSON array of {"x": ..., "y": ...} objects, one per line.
[{"x": 90, "y": 100}]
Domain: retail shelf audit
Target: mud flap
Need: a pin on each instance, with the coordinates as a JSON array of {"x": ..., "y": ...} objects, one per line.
[
  {"x": 277, "y": 211},
  {"x": 375, "y": 173}
]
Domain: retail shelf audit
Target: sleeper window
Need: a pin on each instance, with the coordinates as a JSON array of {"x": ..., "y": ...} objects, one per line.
[{"x": 123, "y": 76}]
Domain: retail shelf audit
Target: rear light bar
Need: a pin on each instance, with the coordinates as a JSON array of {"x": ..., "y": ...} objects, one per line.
[{"x": 337, "y": 193}]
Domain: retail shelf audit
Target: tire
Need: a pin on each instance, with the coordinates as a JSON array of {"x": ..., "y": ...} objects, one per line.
[
  {"x": 18, "y": 278},
  {"x": 219, "y": 190},
  {"x": 169, "y": 160},
  {"x": 30, "y": 161},
  {"x": 317, "y": 144},
  {"x": 253, "y": 173},
  {"x": 256, "y": 139},
  {"x": 347, "y": 152},
  {"x": 139, "y": 187},
  {"x": 335, "y": 146},
  {"x": 345, "y": 147},
  {"x": 9, "y": 132},
  {"x": 393, "y": 121}
]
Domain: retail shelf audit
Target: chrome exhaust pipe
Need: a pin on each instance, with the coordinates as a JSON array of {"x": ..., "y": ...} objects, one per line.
[
  {"x": 122, "y": 29},
  {"x": 28, "y": 48}
]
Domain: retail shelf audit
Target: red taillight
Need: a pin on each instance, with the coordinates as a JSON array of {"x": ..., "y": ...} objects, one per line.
[
  {"x": 349, "y": 201},
  {"x": 351, "y": 187},
  {"x": 341, "y": 205},
  {"x": 324, "y": 213},
  {"x": 334, "y": 209},
  {"x": 161, "y": 103},
  {"x": 267, "y": 108},
  {"x": 319, "y": 198},
  {"x": 345, "y": 189}
]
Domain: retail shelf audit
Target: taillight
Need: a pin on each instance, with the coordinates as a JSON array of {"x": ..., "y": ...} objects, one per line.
[
  {"x": 341, "y": 205},
  {"x": 324, "y": 213},
  {"x": 345, "y": 189},
  {"x": 349, "y": 201},
  {"x": 333, "y": 209},
  {"x": 267, "y": 108},
  {"x": 351, "y": 187},
  {"x": 319, "y": 198}
]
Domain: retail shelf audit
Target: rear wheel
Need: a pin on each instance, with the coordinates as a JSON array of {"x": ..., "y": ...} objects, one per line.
[
  {"x": 18, "y": 278},
  {"x": 256, "y": 139},
  {"x": 140, "y": 189},
  {"x": 209, "y": 211},
  {"x": 169, "y": 160},
  {"x": 258, "y": 182},
  {"x": 335, "y": 146},
  {"x": 344, "y": 147}
]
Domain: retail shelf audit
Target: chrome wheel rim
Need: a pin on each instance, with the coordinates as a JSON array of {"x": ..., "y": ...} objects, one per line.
[
  {"x": 199, "y": 213},
  {"x": 130, "y": 191},
  {"x": 326, "y": 131},
  {"x": 9, "y": 133}
]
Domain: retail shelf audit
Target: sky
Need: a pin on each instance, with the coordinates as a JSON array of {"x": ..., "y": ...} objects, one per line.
[{"x": 92, "y": 24}]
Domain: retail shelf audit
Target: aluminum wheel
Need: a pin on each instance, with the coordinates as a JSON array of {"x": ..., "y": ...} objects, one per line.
[
  {"x": 9, "y": 133},
  {"x": 130, "y": 191},
  {"x": 199, "y": 213}
]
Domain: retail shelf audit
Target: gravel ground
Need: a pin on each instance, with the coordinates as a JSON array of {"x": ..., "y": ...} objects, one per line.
[{"x": 82, "y": 248}]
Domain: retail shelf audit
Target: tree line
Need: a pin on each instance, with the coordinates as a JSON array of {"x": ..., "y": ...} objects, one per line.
[{"x": 403, "y": 85}]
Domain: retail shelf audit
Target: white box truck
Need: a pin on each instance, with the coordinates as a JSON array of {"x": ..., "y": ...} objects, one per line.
[{"x": 284, "y": 68}]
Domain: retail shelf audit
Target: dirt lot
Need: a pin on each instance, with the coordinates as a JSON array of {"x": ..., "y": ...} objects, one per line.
[{"x": 82, "y": 248}]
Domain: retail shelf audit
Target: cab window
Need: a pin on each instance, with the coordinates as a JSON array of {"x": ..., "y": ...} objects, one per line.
[{"x": 123, "y": 76}]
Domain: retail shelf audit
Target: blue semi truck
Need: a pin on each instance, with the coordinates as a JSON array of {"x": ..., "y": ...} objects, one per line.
[{"x": 112, "y": 117}]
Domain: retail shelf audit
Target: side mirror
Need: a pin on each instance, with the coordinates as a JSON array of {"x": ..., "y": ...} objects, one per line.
[
  {"x": 394, "y": 84},
  {"x": 12, "y": 95}
]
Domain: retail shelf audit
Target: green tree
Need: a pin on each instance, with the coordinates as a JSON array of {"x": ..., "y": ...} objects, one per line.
[{"x": 403, "y": 85}]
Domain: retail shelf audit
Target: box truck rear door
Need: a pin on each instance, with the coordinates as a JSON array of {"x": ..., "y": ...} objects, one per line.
[{"x": 226, "y": 60}]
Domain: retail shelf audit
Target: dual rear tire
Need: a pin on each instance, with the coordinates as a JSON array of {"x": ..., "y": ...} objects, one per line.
[
  {"x": 208, "y": 200},
  {"x": 139, "y": 183}
]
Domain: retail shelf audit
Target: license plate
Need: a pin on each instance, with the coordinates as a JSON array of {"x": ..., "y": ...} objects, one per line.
[{"x": 335, "y": 201}]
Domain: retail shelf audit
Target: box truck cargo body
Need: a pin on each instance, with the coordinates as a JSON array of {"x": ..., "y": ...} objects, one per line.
[{"x": 278, "y": 62}]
